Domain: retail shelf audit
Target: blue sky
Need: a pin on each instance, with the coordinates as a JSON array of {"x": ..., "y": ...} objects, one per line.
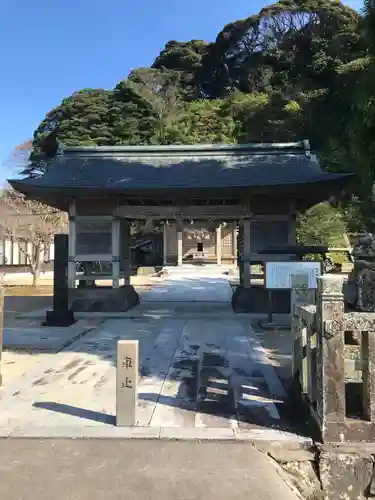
[{"x": 52, "y": 48}]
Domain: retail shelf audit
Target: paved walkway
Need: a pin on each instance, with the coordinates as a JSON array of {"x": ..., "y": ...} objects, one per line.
[
  {"x": 137, "y": 470},
  {"x": 192, "y": 284},
  {"x": 201, "y": 367}
]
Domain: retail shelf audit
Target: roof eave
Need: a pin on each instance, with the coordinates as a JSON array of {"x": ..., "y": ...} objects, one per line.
[{"x": 317, "y": 190}]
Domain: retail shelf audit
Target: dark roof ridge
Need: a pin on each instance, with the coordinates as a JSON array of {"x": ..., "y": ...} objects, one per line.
[{"x": 194, "y": 149}]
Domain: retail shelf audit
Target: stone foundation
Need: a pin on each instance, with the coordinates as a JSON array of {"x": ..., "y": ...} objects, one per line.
[
  {"x": 103, "y": 299},
  {"x": 360, "y": 288},
  {"x": 255, "y": 300},
  {"x": 365, "y": 278},
  {"x": 329, "y": 472}
]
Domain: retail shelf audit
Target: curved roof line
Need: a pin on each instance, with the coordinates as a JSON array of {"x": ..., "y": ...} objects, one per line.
[{"x": 301, "y": 146}]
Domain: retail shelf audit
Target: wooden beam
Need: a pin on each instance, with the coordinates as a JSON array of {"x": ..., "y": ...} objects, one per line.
[
  {"x": 247, "y": 252},
  {"x": 218, "y": 244},
  {"x": 215, "y": 212},
  {"x": 72, "y": 246},
  {"x": 165, "y": 244},
  {"x": 179, "y": 245},
  {"x": 219, "y": 212},
  {"x": 116, "y": 253}
]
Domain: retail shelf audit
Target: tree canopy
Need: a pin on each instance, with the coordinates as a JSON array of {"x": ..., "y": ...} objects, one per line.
[{"x": 297, "y": 69}]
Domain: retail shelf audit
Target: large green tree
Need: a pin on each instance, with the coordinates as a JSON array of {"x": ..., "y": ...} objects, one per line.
[
  {"x": 361, "y": 75},
  {"x": 275, "y": 76},
  {"x": 292, "y": 45},
  {"x": 186, "y": 58}
]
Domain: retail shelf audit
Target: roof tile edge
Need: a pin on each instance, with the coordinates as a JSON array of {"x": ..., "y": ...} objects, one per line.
[{"x": 301, "y": 146}]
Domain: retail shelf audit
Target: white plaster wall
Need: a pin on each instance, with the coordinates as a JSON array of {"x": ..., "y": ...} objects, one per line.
[{"x": 15, "y": 254}]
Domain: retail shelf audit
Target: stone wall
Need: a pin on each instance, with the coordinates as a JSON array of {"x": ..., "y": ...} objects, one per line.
[
  {"x": 325, "y": 472},
  {"x": 336, "y": 367}
]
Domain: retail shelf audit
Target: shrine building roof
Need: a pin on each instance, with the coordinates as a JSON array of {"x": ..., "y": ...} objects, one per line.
[{"x": 135, "y": 170}]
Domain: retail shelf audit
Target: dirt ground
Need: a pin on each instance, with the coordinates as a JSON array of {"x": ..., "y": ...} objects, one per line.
[{"x": 21, "y": 299}]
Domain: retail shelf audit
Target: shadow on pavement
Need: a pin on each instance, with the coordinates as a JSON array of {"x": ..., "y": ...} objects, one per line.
[{"x": 75, "y": 411}]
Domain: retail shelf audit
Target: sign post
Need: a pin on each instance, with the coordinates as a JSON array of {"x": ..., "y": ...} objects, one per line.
[
  {"x": 302, "y": 277},
  {"x": 279, "y": 274},
  {"x": 127, "y": 383}
]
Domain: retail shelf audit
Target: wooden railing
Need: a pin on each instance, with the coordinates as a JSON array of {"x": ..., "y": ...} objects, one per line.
[{"x": 334, "y": 361}]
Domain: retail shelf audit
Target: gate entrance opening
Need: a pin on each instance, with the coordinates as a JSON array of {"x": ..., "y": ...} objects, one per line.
[{"x": 197, "y": 196}]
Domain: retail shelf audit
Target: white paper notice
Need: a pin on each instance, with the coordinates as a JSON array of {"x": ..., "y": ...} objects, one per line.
[{"x": 279, "y": 274}]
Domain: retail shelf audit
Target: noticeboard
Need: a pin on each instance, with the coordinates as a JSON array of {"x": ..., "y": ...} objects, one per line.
[{"x": 278, "y": 275}]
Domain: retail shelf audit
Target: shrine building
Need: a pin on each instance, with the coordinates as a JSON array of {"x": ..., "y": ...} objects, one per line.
[{"x": 203, "y": 195}]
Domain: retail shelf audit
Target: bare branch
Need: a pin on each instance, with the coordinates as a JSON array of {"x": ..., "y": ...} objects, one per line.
[{"x": 30, "y": 223}]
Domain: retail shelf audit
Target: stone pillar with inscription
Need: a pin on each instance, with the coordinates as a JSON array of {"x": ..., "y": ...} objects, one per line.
[
  {"x": 127, "y": 383},
  {"x": 330, "y": 356}
]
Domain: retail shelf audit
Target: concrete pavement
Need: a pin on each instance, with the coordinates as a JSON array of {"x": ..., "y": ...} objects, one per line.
[
  {"x": 137, "y": 470},
  {"x": 201, "y": 367}
]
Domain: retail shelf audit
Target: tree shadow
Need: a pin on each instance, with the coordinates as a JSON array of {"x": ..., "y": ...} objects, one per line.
[{"x": 195, "y": 367}]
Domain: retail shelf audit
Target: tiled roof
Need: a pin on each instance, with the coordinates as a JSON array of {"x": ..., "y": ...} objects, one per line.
[{"x": 179, "y": 167}]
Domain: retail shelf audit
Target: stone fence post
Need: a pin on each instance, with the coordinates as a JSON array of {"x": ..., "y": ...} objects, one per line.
[
  {"x": 300, "y": 295},
  {"x": 330, "y": 355},
  {"x": 368, "y": 375}
]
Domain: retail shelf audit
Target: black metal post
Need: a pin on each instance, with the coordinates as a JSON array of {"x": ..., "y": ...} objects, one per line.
[
  {"x": 270, "y": 317},
  {"x": 61, "y": 315}
]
